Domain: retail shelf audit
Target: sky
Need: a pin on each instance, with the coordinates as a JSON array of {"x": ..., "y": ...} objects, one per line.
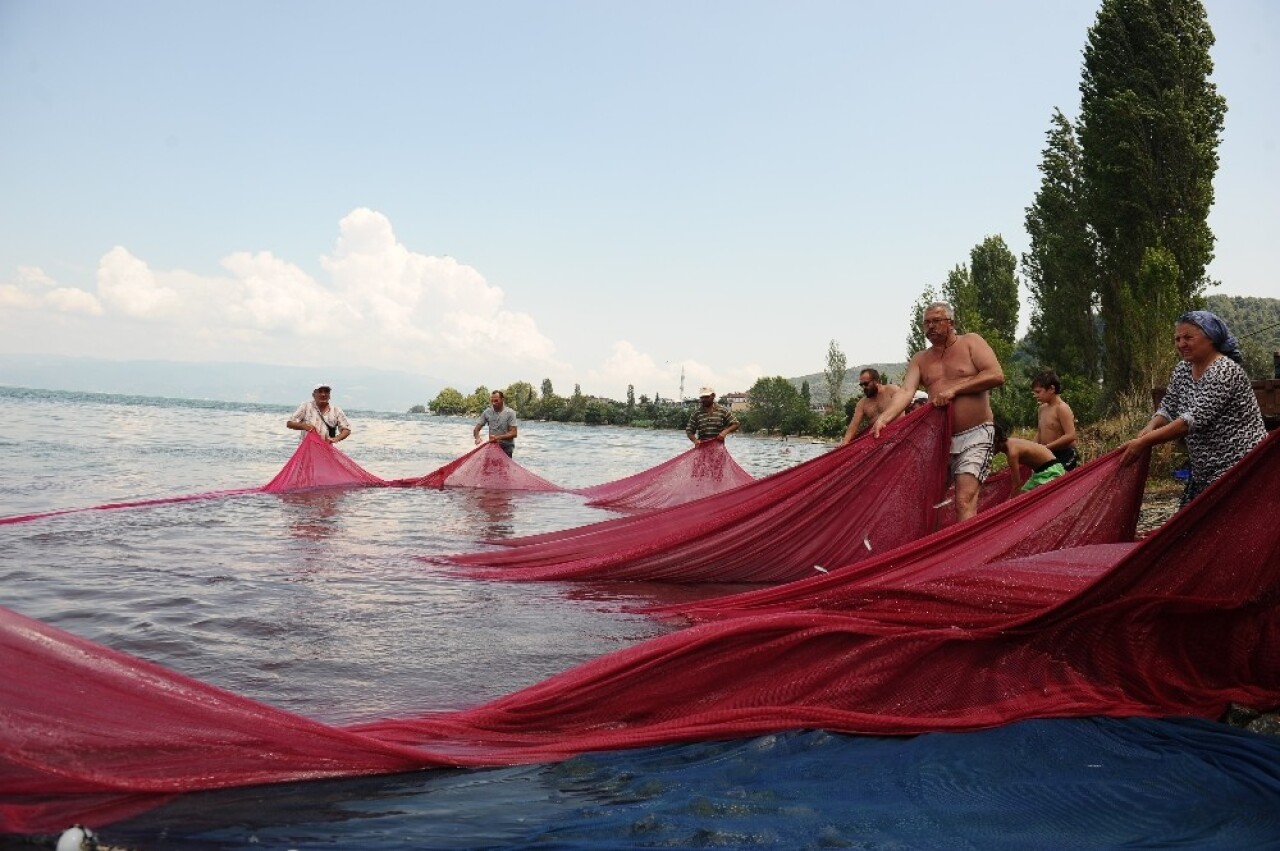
[{"x": 600, "y": 193}]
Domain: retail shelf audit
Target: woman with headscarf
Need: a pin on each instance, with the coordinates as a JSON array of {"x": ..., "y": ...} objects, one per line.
[{"x": 1209, "y": 401}]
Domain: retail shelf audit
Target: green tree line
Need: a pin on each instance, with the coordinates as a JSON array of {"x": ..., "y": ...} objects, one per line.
[{"x": 775, "y": 406}]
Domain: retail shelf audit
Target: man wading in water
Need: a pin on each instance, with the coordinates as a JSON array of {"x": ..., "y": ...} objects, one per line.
[
  {"x": 319, "y": 416},
  {"x": 958, "y": 370}
]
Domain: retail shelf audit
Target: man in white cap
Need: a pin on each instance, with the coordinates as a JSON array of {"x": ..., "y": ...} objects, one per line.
[
  {"x": 875, "y": 398},
  {"x": 319, "y": 416},
  {"x": 710, "y": 421}
]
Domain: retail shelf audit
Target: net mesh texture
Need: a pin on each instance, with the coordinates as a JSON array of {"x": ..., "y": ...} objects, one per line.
[
  {"x": 1181, "y": 624},
  {"x": 867, "y": 497}
]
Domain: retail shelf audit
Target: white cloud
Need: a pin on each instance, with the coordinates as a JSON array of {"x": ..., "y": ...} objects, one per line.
[
  {"x": 71, "y": 300},
  {"x": 33, "y": 289},
  {"x": 33, "y": 277},
  {"x": 378, "y": 304},
  {"x": 739, "y": 379},
  {"x": 442, "y": 309},
  {"x": 515, "y": 333},
  {"x": 15, "y": 298},
  {"x": 270, "y": 295},
  {"x": 627, "y": 365},
  {"x": 127, "y": 285}
]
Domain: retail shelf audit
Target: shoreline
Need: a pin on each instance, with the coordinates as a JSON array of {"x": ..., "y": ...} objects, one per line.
[{"x": 1157, "y": 507}]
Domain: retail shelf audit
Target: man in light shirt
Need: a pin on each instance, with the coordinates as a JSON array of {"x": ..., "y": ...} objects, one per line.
[{"x": 318, "y": 415}]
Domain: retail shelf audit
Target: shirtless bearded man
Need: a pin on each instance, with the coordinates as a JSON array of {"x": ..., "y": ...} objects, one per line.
[
  {"x": 875, "y": 398},
  {"x": 957, "y": 370}
]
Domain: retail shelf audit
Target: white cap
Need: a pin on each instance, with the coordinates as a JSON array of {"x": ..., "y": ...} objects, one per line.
[{"x": 706, "y": 391}]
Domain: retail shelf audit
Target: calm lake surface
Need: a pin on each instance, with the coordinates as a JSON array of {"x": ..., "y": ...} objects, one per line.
[{"x": 315, "y": 603}]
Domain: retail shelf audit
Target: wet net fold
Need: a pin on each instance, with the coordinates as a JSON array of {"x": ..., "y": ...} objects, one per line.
[
  {"x": 1093, "y": 505},
  {"x": 486, "y": 466},
  {"x": 704, "y": 470},
  {"x": 841, "y": 507}
]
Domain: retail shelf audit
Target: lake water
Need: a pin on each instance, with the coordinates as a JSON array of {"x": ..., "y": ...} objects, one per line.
[{"x": 315, "y": 603}]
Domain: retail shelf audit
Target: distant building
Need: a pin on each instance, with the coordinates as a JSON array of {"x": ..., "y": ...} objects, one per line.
[{"x": 736, "y": 401}]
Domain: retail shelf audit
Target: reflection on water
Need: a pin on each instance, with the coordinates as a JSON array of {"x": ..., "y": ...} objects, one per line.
[
  {"x": 313, "y": 514},
  {"x": 493, "y": 511}
]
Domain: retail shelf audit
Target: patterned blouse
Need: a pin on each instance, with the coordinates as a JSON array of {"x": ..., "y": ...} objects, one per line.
[{"x": 1223, "y": 419}]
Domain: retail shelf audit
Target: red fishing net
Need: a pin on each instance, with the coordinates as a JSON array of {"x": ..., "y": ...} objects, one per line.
[
  {"x": 1180, "y": 624},
  {"x": 85, "y": 731},
  {"x": 316, "y": 463},
  {"x": 319, "y": 464},
  {"x": 857, "y": 500},
  {"x": 139, "y": 503},
  {"x": 486, "y": 466},
  {"x": 706, "y": 469},
  {"x": 1096, "y": 504}
]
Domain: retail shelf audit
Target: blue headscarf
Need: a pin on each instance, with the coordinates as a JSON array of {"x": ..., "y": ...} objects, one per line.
[{"x": 1216, "y": 330}]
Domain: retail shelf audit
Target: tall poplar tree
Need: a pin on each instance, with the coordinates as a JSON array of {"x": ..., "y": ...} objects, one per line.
[
  {"x": 1150, "y": 125},
  {"x": 959, "y": 292},
  {"x": 993, "y": 273},
  {"x": 916, "y": 340},
  {"x": 837, "y": 365},
  {"x": 1061, "y": 263}
]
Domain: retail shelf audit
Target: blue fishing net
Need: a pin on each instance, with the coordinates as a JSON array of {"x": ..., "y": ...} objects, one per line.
[{"x": 1076, "y": 783}]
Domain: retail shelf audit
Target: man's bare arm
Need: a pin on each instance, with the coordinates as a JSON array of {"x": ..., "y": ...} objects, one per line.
[
  {"x": 1015, "y": 469},
  {"x": 859, "y": 411},
  {"x": 910, "y": 382}
]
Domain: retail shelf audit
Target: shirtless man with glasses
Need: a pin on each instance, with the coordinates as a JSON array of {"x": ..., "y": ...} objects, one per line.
[{"x": 957, "y": 370}]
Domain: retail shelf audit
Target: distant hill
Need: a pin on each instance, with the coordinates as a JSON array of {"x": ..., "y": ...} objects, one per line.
[
  {"x": 354, "y": 388},
  {"x": 891, "y": 373},
  {"x": 1255, "y": 321}
]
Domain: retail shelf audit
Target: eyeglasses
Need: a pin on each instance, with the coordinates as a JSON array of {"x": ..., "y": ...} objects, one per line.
[
  {"x": 936, "y": 321},
  {"x": 865, "y": 384}
]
